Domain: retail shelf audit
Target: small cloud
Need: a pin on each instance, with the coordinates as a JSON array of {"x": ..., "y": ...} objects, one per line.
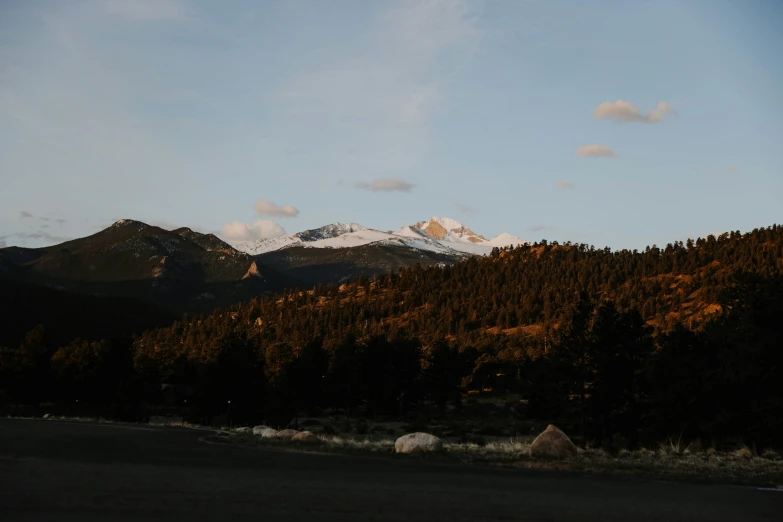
[
  {"x": 46, "y": 236},
  {"x": 386, "y": 185},
  {"x": 464, "y": 209},
  {"x": 3, "y": 243},
  {"x": 537, "y": 228},
  {"x": 263, "y": 229},
  {"x": 266, "y": 208},
  {"x": 144, "y": 10},
  {"x": 733, "y": 169},
  {"x": 565, "y": 184},
  {"x": 625, "y": 112},
  {"x": 595, "y": 151},
  {"x": 23, "y": 214}
]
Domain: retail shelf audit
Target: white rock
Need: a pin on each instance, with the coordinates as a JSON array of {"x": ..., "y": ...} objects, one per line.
[
  {"x": 258, "y": 429},
  {"x": 418, "y": 443},
  {"x": 306, "y": 436},
  {"x": 287, "y": 434},
  {"x": 269, "y": 433}
]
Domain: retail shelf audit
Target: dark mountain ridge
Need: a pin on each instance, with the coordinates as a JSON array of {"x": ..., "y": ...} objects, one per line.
[
  {"x": 181, "y": 270},
  {"x": 315, "y": 266}
]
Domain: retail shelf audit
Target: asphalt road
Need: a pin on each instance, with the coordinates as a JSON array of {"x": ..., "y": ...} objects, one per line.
[{"x": 71, "y": 471}]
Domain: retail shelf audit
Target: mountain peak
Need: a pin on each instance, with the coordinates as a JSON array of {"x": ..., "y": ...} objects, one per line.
[
  {"x": 328, "y": 231},
  {"x": 209, "y": 242},
  {"x": 447, "y": 222},
  {"x": 505, "y": 239},
  {"x": 127, "y": 222},
  {"x": 442, "y": 227}
]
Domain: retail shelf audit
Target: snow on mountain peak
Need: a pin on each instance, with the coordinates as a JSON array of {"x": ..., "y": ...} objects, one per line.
[
  {"x": 328, "y": 231},
  {"x": 129, "y": 222},
  {"x": 123, "y": 222},
  {"x": 506, "y": 239},
  {"x": 438, "y": 234},
  {"x": 347, "y": 227},
  {"x": 448, "y": 229},
  {"x": 447, "y": 223}
]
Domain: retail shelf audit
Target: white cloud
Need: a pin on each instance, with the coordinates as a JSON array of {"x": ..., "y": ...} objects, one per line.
[
  {"x": 565, "y": 184},
  {"x": 624, "y": 111},
  {"x": 46, "y": 236},
  {"x": 42, "y": 234},
  {"x": 596, "y": 151},
  {"x": 266, "y": 208},
  {"x": 144, "y": 10},
  {"x": 3, "y": 243},
  {"x": 386, "y": 185},
  {"x": 262, "y": 229},
  {"x": 24, "y": 214},
  {"x": 537, "y": 228},
  {"x": 380, "y": 99}
]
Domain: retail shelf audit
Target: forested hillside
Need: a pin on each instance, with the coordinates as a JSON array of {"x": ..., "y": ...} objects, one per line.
[
  {"x": 677, "y": 340},
  {"x": 519, "y": 292}
]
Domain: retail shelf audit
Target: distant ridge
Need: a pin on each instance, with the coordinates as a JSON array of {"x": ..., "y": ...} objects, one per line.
[{"x": 442, "y": 235}]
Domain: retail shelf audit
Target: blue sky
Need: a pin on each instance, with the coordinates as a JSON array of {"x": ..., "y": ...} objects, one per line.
[{"x": 208, "y": 114}]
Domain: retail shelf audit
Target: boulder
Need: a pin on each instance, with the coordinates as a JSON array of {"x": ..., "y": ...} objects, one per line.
[
  {"x": 287, "y": 434},
  {"x": 553, "y": 443},
  {"x": 306, "y": 436},
  {"x": 258, "y": 429},
  {"x": 269, "y": 433},
  {"x": 418, "y": 443}
]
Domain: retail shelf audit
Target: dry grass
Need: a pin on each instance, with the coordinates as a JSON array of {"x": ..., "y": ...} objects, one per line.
[
  {"x": 161, "y": 421},
  {"x": 331, "y": 443},
  {"x": 504, "y": 450},
  {"x": 672, "y": 460}
]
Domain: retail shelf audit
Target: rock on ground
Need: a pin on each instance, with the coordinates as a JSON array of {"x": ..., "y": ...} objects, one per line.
[
  {"x": 287, "y": 434},
  {"x": 269, "y": 433},
  {"x": 258, "y": 429},
  {"x": 418, "y": 443},
  {"x": 553, "y": 443},
  {"x": 306, "y": 436}
]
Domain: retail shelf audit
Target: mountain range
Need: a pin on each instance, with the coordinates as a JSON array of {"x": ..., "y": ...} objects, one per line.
[
  {"x": 438, "y": 234},
  {"x": 341, "y": 251},
  {"x": 185, "y": 271}
]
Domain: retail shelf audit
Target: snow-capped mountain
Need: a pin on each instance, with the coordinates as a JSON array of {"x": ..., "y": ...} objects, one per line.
[
  {"x": 439, "y": 235},
  {"x": 443, "y": 228},
  {"x": 314, "y": 238}
]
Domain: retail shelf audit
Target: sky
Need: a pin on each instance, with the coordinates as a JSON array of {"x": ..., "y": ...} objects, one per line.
[{"x": 613, "y": 123}]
